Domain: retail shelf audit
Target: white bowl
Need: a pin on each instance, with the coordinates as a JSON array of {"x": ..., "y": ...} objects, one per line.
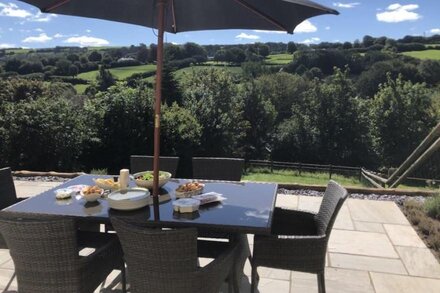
[{"x": 149, "y": 183}]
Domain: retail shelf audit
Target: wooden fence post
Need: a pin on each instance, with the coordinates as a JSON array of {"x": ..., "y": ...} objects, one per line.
[{"x": 330, "y": 171}]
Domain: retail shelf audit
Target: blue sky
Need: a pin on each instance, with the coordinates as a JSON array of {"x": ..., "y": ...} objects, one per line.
[{"x": 22, "y": 25}]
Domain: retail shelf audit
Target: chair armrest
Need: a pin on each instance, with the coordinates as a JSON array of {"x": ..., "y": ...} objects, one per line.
[{"x": 110, "y": 249}]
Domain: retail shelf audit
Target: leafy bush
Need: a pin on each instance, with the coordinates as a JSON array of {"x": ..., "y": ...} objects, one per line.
[{"x": 432, "y": 207}]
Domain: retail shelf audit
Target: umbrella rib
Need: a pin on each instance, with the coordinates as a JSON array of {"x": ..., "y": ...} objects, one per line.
[
  {"x": 174, "y": 16},
  {"x": 55, "y": 5},
  {"x": 263, "y": 15}
]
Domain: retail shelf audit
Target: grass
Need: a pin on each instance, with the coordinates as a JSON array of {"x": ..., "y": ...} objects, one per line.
[
  {"x": 313, "y": 178},
  {"x": 279, "y": 59},
  {"x": 427, "y": 54},
  {"x": 17, "y": 51},
  {"x": 80, "y": 88},
  {"x": 178, "y": 74},
  {"x": 120, "y": 73},
  {"x": 307, "y": 178}
]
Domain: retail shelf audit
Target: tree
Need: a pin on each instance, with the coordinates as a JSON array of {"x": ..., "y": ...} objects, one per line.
[
  {"x": 170, "y": 87},
  {"x": 263, "y": 50},
  {"x": 235, "y": 55},
  {"x": 142, "y": 54},
  {"x": 73, "y": 70},
  {"x": 193, "y": 49},
  {"x": 291, "y": 47},
  {"x": 12, "y": 65},
  {"x": 153, "y": 53},
  {"x": 430, "y": 71},
  {"x": 368, "y": 41},
  {"x": 63, "y": 66},
  {"x": 105, "y": 79},
  {"x": 220, "y": 56},
  {"x": 326, "y": 126},
  {"x": 347, "y": 45},
  {"x": 212, "y": 96},
  {"x": 260, "y": 114},
  {"x": 401, "y": 116},
  {"x": 95, "y": 56}
]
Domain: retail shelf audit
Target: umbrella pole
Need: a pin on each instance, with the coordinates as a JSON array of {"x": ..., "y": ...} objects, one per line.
[{"x": 158, "y": 93}]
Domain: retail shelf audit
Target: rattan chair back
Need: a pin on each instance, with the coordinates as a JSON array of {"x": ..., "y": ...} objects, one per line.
[
  {"x": 332, "y": 202},
  {"x": 209, "y": 168},
  {"x": 145, "y": 163},
  {"x": 8, "y": 195},
  {"x": 44, "y": 252}
]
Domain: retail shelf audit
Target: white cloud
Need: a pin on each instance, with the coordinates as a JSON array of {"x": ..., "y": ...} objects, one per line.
[
  {"x": 270, "y": 32},
  {"x": 346, "y": 5},
  {"x": 5, "y": 46},
  {"x": 310, "y": 41},
  {"x": 42, "y": 38},
  {"x": 398, "y": 13},
  {"x": 59, "y": 35},
  {"x": 42, "y": 17},
  {"x": 305, "y": 27},
  {"x": 85, "y": 41},
  {"x": 435, "y": 31},
  {"x": 12, "y": 10},
  {"x": 40, "y": 30},
  {"x": 247, "y": 37}
]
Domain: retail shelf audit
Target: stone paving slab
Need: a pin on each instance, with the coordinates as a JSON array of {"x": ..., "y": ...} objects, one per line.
[
  {"x": 403, "y": 236},
  {"x": 372, "y": 248},
  {"x": 388, "y": 283},
  {"x": 336, "y": 281},
  {"x": 361, "y": 243},
  {"x": 368, "y": 227},
  {"x": 419, "y": 261},
  {"x": 367, "y": 263},
  {"x": 385, "y": 212}
]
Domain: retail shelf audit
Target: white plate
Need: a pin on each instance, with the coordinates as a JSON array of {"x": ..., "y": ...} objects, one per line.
[{"x": 129, "y": 199}]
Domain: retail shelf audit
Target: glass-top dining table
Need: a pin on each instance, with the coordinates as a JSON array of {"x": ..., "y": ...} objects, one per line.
[{"x": 248, "y": 207}]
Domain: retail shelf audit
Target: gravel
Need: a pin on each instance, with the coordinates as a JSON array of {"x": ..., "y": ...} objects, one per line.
[
  {"x": 399, "y": 199},
  {"x": 42, "y": 178}
]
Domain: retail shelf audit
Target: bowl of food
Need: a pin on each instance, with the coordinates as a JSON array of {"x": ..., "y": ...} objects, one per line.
[
  {"x": 145, "y": 178},
  {"x": 107, "y": 183},
  {"x": 189, "y": 189},
  {"x": 91, "y": 193}
]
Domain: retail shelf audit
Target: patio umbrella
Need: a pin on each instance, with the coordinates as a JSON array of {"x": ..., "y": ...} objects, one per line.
[{"x": 188, "y": 15}]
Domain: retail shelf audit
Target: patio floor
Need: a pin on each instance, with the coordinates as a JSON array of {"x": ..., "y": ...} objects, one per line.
[{"x": 373, "y": 248}]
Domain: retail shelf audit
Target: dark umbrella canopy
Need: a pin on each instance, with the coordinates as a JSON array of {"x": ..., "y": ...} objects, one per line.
[
  {"x": 192, "y": 15},
  {"x": 188, "y": 15}
]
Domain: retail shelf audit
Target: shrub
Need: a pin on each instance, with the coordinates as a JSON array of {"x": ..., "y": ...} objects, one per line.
[{"x": 432, "y": 207}]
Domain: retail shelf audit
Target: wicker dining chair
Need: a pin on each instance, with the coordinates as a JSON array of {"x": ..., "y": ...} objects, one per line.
[
  {"x": 145, "y": 163},
  {"x": 299, "y": 239},
  {"x": 165, "y": 261},
  {"x": 45, "y": 251},
  {"x": 208, "y": 168},
  {"x": 8, "y": 196}
]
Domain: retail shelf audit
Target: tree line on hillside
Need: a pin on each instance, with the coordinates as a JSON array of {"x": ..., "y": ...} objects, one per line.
[{"x": 215, "y": 113}]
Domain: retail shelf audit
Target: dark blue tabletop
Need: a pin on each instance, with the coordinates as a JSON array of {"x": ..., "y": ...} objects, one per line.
[{"x": 248, "y": 207}]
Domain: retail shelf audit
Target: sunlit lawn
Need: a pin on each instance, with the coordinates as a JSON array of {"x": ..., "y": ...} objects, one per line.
[
  {"x": 178, "y": 74},
  {"x": 307, "y": 178},
  {"x": 120, "y": 73},
  {"x": 279, "y": 59},
  {"x": 312, "y": 178},
  {"x": 427, "y": 54},
  {"x": 80, "y": 88}
]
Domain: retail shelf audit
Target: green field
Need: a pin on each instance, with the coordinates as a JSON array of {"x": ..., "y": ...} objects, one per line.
[
  {"x": 178, "y": 74},
  {"x": 279, "y": 59},
  {"x": 121, "y": 72},
  {"x": 427, "y": 54},
  {"x": 80, "y": 88}
]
